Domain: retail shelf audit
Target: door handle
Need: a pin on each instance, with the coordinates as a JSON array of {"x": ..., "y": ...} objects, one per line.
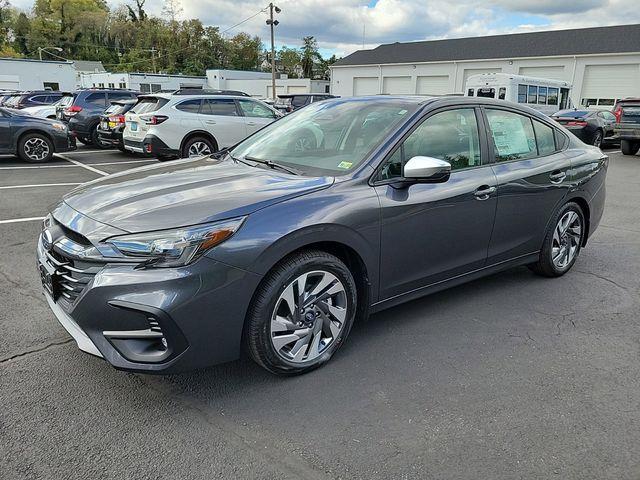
[
  {"x": 210, "y": 122},
  {"x": 252, "y": 124},
  {"x": 557, "y": 176},
  {"x": 484, "y": 192}
]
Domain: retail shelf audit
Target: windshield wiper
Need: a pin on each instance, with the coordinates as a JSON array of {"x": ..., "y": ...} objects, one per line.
[{"x": 274, "y": 165}]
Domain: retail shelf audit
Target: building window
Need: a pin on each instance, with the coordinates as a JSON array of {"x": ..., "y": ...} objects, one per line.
[
  {"x": 502, "y": 93},
  {"x": 101, "y": 85},
  {"x": 155, "y": 87},
  {"x": 589, "y": 102},
  {"x": 608, "y": 102},
  {"x": 552, "y": 97},
  {"x": 51, "y": 86},
  {"x": 470, "y": 92},
  {"x": 112, "y": 85},
  {"x": 123, "y": 85},
  {"x": 145, "y": 88},
  {"x": 542, "y": 95},
  {"x": 532, "y": 96}
]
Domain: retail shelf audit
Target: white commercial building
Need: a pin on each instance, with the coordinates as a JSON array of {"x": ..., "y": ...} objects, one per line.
[
  {"x": 143, "y": 82},
  {"x": 258, "y": 84},
  {"x": 25, "y": 74},
  {"x": 602, "y": 64}
]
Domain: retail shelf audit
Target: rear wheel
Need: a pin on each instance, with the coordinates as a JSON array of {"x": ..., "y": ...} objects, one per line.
[
  {"x": 628, "y": 147},
  {"x": 562, "y": 243},
  {"x": 198, "y": 147},
  {"x": 85, "y": 141},
  {"x": 35, "y": 148},
  {"x": 597, "y": 139},
  {"x": 302, "y": 313}
]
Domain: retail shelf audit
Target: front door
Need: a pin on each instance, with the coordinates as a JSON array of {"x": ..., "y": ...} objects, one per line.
[
  {"x": 256, "y": 115},
  {"x": 5, "y": 133},
  {"x": 532, "y": 174},
  {"x": 432, "y": 232}
]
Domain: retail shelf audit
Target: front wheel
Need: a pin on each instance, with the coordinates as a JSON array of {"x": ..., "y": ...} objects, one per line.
[
  {"x": 597, "y": 139},
  {"x": 302, "y": 313},
  {"x": 628, "y": 147},
  {"x": 562, "y": 243},
  {"x": 35, "y": 148}
]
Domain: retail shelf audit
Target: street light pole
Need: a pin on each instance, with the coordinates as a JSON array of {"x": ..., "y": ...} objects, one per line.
[
  {"x": 272, "y": 23},
  {"x": 44, "y": 49}
]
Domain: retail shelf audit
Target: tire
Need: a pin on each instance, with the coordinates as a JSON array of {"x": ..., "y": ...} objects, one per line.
[
  {"x": 95, "y": 140},
  {"x": 597, "y": 139},
  {"x": 85, "y": 141},
  {"x": 628, "y": 147},
  {"x": 35, "y": 148},
  {"x": 122, "y": 149},
  {"x": 552, "y": 262},
  {"x": 266, "y": 336},
  {"x": 303, "y": 140},
  {"x": 198, "y": 147}
]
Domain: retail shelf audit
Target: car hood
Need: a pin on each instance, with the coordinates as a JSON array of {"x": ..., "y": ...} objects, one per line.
[{"x": 186, "y": 192}]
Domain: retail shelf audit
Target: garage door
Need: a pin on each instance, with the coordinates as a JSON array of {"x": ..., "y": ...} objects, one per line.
[
  {"x": 9, "y": 82},
  {"x": 477, "y": 71},
  {"x": 365, "y": 86},
  {"x": 298, "y": 89},
  {"x": 396, "y": 85},
  {"x": 611, "y": 81},
  {"x": 433, "y": 85},
  {"x": 554, "y": 73}
]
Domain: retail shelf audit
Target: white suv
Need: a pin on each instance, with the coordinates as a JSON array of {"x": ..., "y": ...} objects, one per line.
[{"x": 192, "y": 123}]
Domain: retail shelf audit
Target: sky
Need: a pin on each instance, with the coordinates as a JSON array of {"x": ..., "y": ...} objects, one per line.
[{"x": 343, "y": 26}]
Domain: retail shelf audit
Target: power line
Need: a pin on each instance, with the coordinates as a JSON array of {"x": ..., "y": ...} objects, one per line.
[{"x": 243, "y": 21}]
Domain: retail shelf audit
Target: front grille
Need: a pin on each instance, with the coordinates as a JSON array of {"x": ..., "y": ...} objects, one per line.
[{"x": 71, "y": 275}]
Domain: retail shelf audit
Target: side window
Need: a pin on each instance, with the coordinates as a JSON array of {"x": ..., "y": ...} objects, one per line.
[
  {"x": 512, "y": 134},
  {"x": 254, "y": 109},
  {"x": 470, "y": 92},
  {"x": 219, "y": 106},
  {"x": 522, "y": 93},
  {"x": 552, "y": 96},
  {"x": 532, "y": 95},
  {"x": 544, "y": 138},
  {"x": 609, "y": 116},
  {"x": 190, "y": 106},
  {"x": 451, "y": 135},
  {"x": 542, "y": 95},
  {"x": 502, "y": 93},
  {"x": 299, "y": 101},
  {"x": 96, "y": 99}
]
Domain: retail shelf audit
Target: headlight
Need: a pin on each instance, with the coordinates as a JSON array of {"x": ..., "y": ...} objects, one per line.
[
  {"x": 59, "y": 126},
  {"x": 175, "y": 248}
]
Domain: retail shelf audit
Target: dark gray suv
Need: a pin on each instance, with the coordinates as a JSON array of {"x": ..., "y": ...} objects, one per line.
[{"x": 280, "y": 245}]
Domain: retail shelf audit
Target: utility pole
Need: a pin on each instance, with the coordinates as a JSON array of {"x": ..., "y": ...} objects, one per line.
[
  {"x": 153, "y": 58},
  {"x": 272, "y": 23}
]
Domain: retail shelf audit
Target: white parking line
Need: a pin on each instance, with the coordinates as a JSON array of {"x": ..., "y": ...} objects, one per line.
[
  {"x": 80, "y": 152},
  {"x": 20, "y": 220},
  {"x": 151, "y": 160},
  {"x": 9, "y": 187},
  {"x": 75, "y": 162}
]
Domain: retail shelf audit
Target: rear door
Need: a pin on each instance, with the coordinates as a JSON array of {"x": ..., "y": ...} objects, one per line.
[
  {"x": 532, "y": 174},
  {"x": 255, "y": 115},
  {"x": 221, "y": 118}
]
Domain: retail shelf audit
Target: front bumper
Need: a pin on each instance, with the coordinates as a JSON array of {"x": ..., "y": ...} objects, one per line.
[{"x": 162, "y": 320}]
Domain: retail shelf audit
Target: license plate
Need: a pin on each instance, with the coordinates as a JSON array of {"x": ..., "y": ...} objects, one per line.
[
  {"x": 48, "y": 281},
  {"x": 112, "y": 124},
  {"x": 134, "y": 127}
]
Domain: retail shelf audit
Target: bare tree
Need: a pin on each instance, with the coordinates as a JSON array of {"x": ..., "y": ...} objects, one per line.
[
  {"x": 172, "y": 9},
  {"x": 140, "y": 15}
]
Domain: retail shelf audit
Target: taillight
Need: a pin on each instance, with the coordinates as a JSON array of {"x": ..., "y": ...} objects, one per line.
[
  {"x": 72, "y": 110},
  {"x": 117, "y": 119},
  {"x": 618, "y": 114},
  {"x": 154, "y": 119},
  {"x": 576, "y": 124}
]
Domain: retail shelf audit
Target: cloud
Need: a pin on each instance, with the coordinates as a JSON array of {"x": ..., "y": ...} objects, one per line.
[{"x": 338, "y": 24}]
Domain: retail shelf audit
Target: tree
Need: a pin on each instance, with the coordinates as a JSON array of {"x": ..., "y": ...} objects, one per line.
[
  {"x": 310, "y": 56},
  {"x": 172, "y": 9},
  {"x": 245, "y": 52},
  {"x": 137, "y": 15},
  {"x": 290, "y": 60}
]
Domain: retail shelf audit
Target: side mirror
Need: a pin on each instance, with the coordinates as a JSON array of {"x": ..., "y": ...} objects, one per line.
[{"x": 426, "y": 170}]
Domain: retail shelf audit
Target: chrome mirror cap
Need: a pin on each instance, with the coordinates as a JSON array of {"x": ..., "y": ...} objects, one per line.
[{"x": 420, "y": 167}]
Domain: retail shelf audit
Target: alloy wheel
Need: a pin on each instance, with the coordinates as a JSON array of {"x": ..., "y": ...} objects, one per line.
[
  {"x": 597, "y": 140},
  {"x": 36, "y": 149},
  {"x": 308, "y": 316},
  {"x": 567, "y": 238},
  {"x": 199, "y": 149}
]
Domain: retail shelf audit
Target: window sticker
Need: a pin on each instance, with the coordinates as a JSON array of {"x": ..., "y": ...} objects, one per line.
[
  {"x": 345, "y": 165},
  {"x": 509, "y": 136}
]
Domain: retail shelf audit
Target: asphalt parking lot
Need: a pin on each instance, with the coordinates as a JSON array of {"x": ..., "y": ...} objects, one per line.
[{"x": 512, "y": 376}]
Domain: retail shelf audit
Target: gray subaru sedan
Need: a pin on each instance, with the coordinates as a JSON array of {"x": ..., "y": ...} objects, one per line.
[{"x": 343, "y": 208}]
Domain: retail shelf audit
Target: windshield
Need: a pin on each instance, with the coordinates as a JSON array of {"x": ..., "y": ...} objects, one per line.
[
  {"x": 13, "y": 101},
  {"x": 66, "y": 100},
  {"x": 327, "y": 138}
]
